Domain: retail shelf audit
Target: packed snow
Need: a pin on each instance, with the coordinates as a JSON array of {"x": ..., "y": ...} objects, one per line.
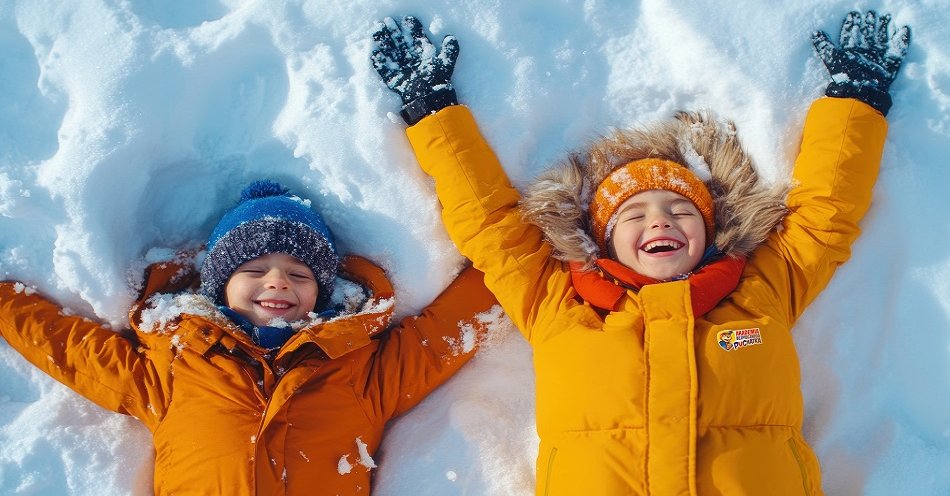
[{"x": 128, "y": 127}]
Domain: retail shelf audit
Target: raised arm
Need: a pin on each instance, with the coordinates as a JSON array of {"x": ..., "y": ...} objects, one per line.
[
  {"x": 835, "y": 172},
  {"x": 480, "y": 206}
]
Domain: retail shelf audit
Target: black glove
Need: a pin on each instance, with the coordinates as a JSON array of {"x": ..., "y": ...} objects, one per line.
[
  {"x": 412, "y": 67},
  {"x": 866, "y": 60}
]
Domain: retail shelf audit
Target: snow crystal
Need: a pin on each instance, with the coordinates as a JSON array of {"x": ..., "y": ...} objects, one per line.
[
  {"x": 694, "y": 161},
  {"x": 159, "y": 254},
  {"x": 164, "y": 308},
  {"x": 278, "y": 322},
  {"x": 365, "y": 460},
  {"x": 344, "y": 466},
  {"x": 19, "y": 287},
  {"x": 177, "y": 343},
  {"x": 379, "y": 305},
  {"x": 481, "y": 332},
  {"x": 451, "y": 475},
  {"x": 436, "y": 25},
  {"x": 840, "y": 77},
  {"x": 348, "y": 294},
  {"x": 303, "y": 201}
]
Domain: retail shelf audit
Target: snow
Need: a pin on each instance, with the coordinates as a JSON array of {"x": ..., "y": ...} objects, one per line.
[{"x": 128, "y": 127}]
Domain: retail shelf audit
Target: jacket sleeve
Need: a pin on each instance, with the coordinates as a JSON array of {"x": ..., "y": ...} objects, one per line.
[
  {"x": 481, "y": 216},
  {"x": 423, "y": 351},
  {"x": 97, "y": 363},
  {"x": 834, "y": 174}
]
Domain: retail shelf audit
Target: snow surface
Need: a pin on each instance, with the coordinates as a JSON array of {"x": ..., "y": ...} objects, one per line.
[{"x": 127, "y": 127}]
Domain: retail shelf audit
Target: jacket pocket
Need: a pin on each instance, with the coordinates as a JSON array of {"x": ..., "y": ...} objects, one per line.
[
  {"x": 550, "y": 471},
  {"x": 801, "y": 466}
]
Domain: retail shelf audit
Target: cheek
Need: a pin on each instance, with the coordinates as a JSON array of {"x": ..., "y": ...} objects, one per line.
[
  {"x": 624, "y": 235},
  {"x": 699, "y": 233},
  {"x": 236, "y": 290},
  {"x": 308, "y": 295},
  {"x": 230, "y": 292}
]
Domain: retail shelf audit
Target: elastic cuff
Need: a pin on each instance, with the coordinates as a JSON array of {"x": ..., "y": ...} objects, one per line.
[
  {"x": 415, "y": 110},
  {"x": 878, "y": 99}
]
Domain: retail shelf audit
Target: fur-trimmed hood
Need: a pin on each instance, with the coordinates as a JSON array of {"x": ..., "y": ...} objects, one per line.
[{"x": 746, "y": 209}]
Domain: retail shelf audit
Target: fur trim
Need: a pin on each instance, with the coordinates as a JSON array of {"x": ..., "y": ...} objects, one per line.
[{"x": 747, "y": 209}]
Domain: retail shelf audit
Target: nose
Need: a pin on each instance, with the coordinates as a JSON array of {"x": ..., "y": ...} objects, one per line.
[
  {"x": 276, "y": 279},
  {"x": 660, "y": 221}
]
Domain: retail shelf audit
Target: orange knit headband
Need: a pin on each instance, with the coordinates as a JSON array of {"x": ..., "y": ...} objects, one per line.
[{"x": 643, "y": 175}]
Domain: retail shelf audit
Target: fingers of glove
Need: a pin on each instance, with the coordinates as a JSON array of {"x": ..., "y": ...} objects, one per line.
[
  {"x": 898, "y": 44},
  {"x": 896, "y": 49},
  {"x": 421, "y": 46},
  {"x": 850, "y": 31},
  {"x": 382, "y": 38},
  {"x": 868, "y": 27},
  {"x": 881, "y": 35},
  {"x": 824, "y": 47},
  {"x": 385, "y": 54},
  {"x": 397, "y": 40},
  {"x": 449, "y": 54},
  {"x": 385, "y": 67}
]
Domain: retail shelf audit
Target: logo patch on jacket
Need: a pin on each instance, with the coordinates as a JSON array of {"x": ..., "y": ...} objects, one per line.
[{"x": 739, "y": 338}]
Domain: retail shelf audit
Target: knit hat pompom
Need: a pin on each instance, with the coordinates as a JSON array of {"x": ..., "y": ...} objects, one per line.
[
  {"x": 269, "y": 219},
  {"x": 643, "y": 175}
]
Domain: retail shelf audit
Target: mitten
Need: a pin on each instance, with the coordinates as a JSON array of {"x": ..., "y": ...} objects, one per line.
[
  {"x": 866, "y": 60},
  {"x": 411, "y": 66}
]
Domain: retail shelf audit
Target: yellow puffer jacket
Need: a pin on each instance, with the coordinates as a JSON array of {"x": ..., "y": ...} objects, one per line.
[
  {"x": 226, "y": 417},
  {"x": 647, "y": 399}
]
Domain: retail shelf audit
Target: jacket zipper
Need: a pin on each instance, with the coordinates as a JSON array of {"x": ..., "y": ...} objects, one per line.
[
  {"x": 801, "y": 465},
  {"x": 547, "y": 478}
]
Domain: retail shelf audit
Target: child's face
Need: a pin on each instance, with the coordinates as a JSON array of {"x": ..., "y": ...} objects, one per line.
[
  {"x": 272, "y": 286},
  {"x": 659, "y": 234}
]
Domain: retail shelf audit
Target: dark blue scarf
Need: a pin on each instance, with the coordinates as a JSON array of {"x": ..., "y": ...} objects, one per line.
[{"x": 269, "y": 337}]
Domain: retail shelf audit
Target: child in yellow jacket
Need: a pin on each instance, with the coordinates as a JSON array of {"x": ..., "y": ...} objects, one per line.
[
  {"x": 278, "y": 375},
  {"x": 655, "y": 276}
]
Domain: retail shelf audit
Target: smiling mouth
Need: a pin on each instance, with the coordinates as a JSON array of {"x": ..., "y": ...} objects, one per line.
[
  {"x": 274, "y": 305},
  {"x": 662, "y": 246}
]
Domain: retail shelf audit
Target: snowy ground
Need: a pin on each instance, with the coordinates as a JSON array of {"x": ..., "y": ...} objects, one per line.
[{"x": 127, "y": 125}]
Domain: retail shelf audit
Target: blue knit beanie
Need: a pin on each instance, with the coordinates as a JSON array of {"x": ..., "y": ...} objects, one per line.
[{"x": 268, "y": 219}]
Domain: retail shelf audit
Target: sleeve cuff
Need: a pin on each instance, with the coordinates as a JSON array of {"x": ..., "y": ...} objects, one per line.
[
  {"x": 415, "y": 110},
  {"x": 880, "y": 100}
]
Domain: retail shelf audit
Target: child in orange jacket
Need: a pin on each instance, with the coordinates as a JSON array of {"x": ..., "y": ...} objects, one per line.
[
  {"x": 278, "y": 375},
  {"x": 655, "y": 276}
]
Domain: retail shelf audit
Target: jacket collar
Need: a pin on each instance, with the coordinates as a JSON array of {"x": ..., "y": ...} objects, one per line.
[
  {"x": 350, "y": 329},
  {"x": 606, "y": 286}
]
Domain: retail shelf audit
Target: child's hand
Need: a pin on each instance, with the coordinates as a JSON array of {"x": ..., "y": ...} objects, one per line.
[
  {"x": 866, "y": 60},
  {"x": 411, "y": 66}
]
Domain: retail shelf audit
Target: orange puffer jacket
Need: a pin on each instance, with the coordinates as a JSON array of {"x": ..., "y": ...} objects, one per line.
[
  {"x": 651, "y": 398},
  {"x": 229, "y": 418}
]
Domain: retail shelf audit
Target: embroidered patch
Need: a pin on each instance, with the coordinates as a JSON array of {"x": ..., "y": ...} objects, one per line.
[{"x": 739, "y": 338}]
